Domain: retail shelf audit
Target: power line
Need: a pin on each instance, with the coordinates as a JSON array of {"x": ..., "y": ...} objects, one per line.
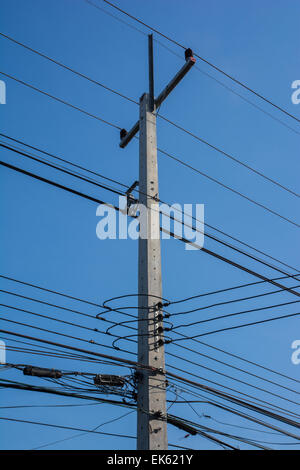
[
  {"x": 253, "y": 399},
  {"x": 232, "y": 366},
  {"x": 230, "y": 156},
  {"x": 223, "y": 185},
  {"x": 140, "y": 192},
  {"x": 72, "y": 428},
  {"x": 247, "y": 361},
  {"x": 82, "y": 434},
  {"x": 64, "y": 170},
  {"x": 61, "y": 101},
  {"x": 51, "y": 291},
  {"x": 198, "y": 138},
  {"x": 57, "y": 185},
  {"x": 70, "y": 69},
  {"x": 241, "y": 326},
  {"x": 205, "y": 250},
  {"x": 203, "y": 387},
  {"x": 201, "y": 366},
  {"x": 180, "y": 334},
  {"x": 229, "y": 261},
  {"x": 220, "y": 317},
  {"x": 226, "y": 302},
  {"x": 222, "y": 362},
  {"x": 94, "y": 330},
  {"x": 226, "y": 87},
  {"x": 238, "y": 401},
  {"x": 204, "y": 60},
  {"x": 113, "y": 190},
  {"x": 73, "y": 348},
  {"x": 228, "y": 289},
  {"x": 258, "y": 204},
  {"x": 229, "y": 409},
  {"x": 56, "y": 332}
]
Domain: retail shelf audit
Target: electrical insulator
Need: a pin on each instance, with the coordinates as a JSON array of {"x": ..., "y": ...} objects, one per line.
[
  {"x": 123, "y": 133},
  {"x": 188, "y": 53}
]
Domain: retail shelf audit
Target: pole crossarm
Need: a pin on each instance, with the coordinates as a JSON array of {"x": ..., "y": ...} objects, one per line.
[{"x": 126, "y": 138}]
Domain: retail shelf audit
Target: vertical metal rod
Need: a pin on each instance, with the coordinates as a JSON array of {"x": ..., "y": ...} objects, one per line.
[
  {"x": 151, "y": 71},
  {"x": 151, "y": 396}
]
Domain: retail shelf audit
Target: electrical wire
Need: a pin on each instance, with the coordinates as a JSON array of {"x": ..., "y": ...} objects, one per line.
[
  {"x": 113, "y": 190},
  {"x": 205, "y": 250},
  {"x": 163, "y": 152},
  {"x": 198, "y": 138},
  {"x": 178, "y": 333},
  {"x": 227, "y": 315},
  {"x": 218, "y": 69},
  {"x": 240, "y": 326},
  {"x": 127, "y": 187},
  {"x": 72, "y": 428}
]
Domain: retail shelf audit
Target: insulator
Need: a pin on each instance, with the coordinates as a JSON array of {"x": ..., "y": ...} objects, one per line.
[
  {"x": 123, "y": 133},
  {"x": 188, "y": 53}
]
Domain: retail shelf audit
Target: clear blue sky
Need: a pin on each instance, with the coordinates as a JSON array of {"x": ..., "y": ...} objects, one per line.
[{"x": 48, "y": 236}]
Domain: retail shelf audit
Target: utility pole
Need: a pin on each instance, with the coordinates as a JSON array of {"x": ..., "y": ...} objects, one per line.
[{"x": 151, "y": 387}]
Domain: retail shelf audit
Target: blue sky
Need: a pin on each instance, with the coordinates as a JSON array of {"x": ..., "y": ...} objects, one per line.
[{"x": 48, "y": 236}]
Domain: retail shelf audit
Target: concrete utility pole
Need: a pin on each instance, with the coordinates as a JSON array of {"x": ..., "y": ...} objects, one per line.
[{"x": 151, "y": 388}]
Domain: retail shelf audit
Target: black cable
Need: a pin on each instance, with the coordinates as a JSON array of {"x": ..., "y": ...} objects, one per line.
[
  {"x": 56, "y": 352},
  {"x": 247, "y": 361},
  {"x": 122, "y": 194},
  {"x": 127, "y": 187},
  {"x": 240, "y": 326},
  {"x": 226, "y": 87},
  {"x": 80, "y": 176},
  {"x": 63, "y": 170},
  {"x": 227, "y": 315},
  {"x": 204, "y": 60},
  {"x": 253, "y": 399},
  {"x": 93, "y": 353},
  {"x": 233, "y": 378},
  {"x": 70, "y": 69},
  {"x": 180, "y": 334},
  {"x": 223, "y": 185},
  {"x": 58, "y": 426},
  {"x": 81, "y": 434},
  {"x": 57, "y": 185},
  {"x": 232, "y": 366},
  {"x": 229, "y": 409},
  {"x": 239, "y": 286},
  {"x": 63, "y": 160},
  {"x": 58, "y": 333},
  {"x": 230, "y": 156},
  {"x": 197, "y": 341},
  {"x": 231, "y": 262},
  {"x": 227, "y": 302},
  {"x": 159, "y": 150},
  {"x": 61, "y": 101},
  {"x": 48, "y": 303},
  {"x": 231, "y": 90},
  {"x": 238, "y": 402},
  {"x": 94, "y": 330},
  {"x": 162, "y": 117},
  {"x": 227, "y": 375},
  {"x": 51, "y": 291},
  {"x": 205, "y": 250},
  {"x": 222, "y": 362}
]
